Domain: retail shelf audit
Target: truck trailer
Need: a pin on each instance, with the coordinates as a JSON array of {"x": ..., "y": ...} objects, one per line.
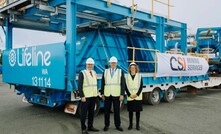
[{"x": 47, "y": 74}]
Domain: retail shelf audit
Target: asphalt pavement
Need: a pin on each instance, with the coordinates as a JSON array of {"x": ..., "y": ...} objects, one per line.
[{"x": 188, "y": 114}]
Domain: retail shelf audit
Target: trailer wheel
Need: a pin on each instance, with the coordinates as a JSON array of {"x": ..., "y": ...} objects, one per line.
[
  {"x": 96, "y": 108},
  {"x": 169, "y": 95},
  {"x": 145, "y": 98},
  {"x": 154, "y": 97}
]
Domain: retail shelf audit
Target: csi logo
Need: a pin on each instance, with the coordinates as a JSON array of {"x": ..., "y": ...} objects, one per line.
[
  {"x": 178, "y": 63},
  {"x": 29, "y": 57}
]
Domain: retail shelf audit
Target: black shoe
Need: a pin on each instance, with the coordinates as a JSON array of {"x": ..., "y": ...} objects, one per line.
[
  {"x": 130, "y": 127},
  {"x": 138, "y": 128},
  {"x": 92, "y": 129},
  {"x": 84, "y": 132},
  {"x": 120, "y": 129},
  {"x": 105, "y": 128}
]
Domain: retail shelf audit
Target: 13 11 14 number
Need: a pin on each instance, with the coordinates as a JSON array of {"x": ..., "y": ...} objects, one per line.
[{"x": 41, "y": 81}]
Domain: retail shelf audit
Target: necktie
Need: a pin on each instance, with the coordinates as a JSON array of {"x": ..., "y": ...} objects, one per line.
[
  {"x": 112, "y": 72},
  {"x": 91, "y": 73}
]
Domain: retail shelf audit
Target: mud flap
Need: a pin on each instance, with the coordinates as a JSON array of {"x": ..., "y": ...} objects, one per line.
[
  {"x": 24, "y": 99},
  {"x": 71, "y": 108}
]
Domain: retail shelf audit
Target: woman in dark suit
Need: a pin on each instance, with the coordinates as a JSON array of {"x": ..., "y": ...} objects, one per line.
[{"x": 134, "y": 86}]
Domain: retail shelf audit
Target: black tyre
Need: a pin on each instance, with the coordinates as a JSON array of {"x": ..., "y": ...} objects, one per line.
[
  {"x": 145, "y": 98},
  {"x": 169, "y": 95},
  {"x": 154, "y": 97}
]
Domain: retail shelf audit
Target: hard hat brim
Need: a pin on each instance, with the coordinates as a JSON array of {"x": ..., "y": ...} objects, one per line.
[
  {"x": 133, "y": 64},
  {"x": 90, "y": 63}
]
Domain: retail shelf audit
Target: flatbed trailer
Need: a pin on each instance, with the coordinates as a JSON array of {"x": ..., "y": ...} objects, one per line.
[{"x": 47, "y": 74}]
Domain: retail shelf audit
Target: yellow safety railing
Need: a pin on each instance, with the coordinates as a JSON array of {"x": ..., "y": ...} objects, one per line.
[
  {"x": 148, "y": 62},
  {"x": 174, "y": 52},
  {"x": 108, "y": 3},
  {"x": 200, "y": 55},
  {"x": 164, "y": 3},
  {"x": 2, "y": 3},
  {"x": 134, "y": 6},
  {"x": 134, "y": 11}
]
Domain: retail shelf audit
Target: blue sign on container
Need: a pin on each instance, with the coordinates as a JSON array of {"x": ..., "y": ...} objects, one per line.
[{"x": 41, "y": 66}]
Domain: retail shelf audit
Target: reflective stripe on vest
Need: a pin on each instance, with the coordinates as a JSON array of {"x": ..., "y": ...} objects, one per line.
[
  {"x": 112, "y": 84},
  {"x": 90, "y": 84},
  {"x": 133, "y": 86}
]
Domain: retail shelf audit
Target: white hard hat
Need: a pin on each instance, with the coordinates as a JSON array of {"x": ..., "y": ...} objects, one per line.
[
  {"x": 89, "y": 61},
  {"x": 132, "y": 63},
  {"x": 113, "y": 59}
]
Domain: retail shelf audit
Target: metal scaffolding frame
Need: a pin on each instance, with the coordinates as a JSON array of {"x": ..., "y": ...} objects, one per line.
[{"x": 69, "y": 16}]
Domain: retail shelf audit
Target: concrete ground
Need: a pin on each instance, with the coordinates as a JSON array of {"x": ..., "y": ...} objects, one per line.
[{"x": 189, "y": 114}]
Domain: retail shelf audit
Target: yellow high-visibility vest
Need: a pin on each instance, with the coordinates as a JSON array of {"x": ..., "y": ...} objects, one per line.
[
  {"x": 112, "y": 84},
  {"x": 133, "y": 86},
  {"x": 90, "y": 84}
]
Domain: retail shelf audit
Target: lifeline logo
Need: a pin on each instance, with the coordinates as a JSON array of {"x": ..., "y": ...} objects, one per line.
[
  {"x": 12, "y": 58},
  {"x": 29, "y": 57}
]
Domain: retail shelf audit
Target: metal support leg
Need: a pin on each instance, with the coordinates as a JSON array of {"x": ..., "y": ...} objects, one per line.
[
  {"x": 8, "y": 35},
  {"x": 184, "y": 39},
  {"x": 219, "y": 47},
  {"x": 219, "y": 51},
  {"x": 160, "y": 40},
  {"x": 71, "y": 43}
]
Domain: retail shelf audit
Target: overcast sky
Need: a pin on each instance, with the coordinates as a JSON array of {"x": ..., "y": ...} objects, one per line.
[{"x": 196, "y": 13}]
